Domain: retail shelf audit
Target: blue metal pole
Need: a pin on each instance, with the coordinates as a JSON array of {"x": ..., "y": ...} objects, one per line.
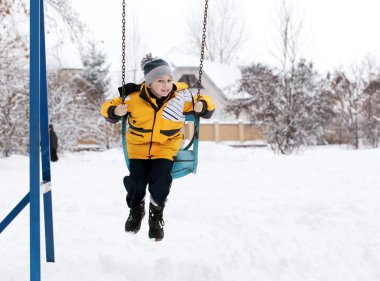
[
  {"x": 14, "y": 213},
  {"x": 45, "y": 149},
  {"x": 44, "y": 121},
  {"x": 34, "y": 135},
  {"x": 49, "y": 234}
]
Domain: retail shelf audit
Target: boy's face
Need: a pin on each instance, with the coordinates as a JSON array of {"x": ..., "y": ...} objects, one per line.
[{"x": 162, "y": 86}]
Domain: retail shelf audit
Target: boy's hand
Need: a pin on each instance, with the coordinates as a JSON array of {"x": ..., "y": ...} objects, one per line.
[
  {"x": 121, "y": 110},
  {"x": 198, "y": 106}
]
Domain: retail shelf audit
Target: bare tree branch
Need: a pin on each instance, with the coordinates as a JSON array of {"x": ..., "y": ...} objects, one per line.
[{"x": 226, "y": 31}]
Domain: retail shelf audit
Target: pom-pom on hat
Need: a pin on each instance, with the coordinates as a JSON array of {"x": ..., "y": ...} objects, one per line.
[{"x": 154, "y": 68}]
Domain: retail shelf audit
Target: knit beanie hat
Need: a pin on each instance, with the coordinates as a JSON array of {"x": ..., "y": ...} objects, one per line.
[{"x": 154, "y": 68}]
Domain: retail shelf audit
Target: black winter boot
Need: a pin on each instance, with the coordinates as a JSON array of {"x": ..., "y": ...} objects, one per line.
[
  {"x": 135, "y": 217},
  {"x": 156, "y": 222}
]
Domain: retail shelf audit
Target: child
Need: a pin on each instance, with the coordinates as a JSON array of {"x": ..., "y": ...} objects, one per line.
[{"x": 156, "y": 111}]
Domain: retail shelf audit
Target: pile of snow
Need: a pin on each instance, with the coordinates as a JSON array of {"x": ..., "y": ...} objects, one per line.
[{"x": 247, "y": 215}]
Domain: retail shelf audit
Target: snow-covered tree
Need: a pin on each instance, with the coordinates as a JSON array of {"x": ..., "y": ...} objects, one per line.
[
  {"x": 95, "y": 83},
  {"x": 293, "y": 99},
  {"x": 287, "y": 121},
  {"x": 345, "y": 93},
  {"x": 304, "y": 105},
  {"x": 371, "y": 113},
  {"x": 261, "y": 83},
  {"x": 64, "y": 106},
  {"x": 60, "y": 12},
  {"x": 75, "y": 99},
  {"x": 95, "y": 74},
  {"x": 13, "y": 80},
  {"x": 325, "y": 113},
  {"x": 14, "y": 67}
]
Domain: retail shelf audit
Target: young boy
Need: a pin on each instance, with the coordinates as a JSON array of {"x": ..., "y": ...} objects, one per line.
[{"x": 156, "y": 111}]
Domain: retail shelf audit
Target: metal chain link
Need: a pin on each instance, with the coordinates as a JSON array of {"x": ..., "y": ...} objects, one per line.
[
  {"x": 202, "y": 50},
  {"x": 123, "y": 54}
]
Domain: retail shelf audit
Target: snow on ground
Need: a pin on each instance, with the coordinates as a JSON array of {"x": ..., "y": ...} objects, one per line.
[{"x": 248, "y": 214}]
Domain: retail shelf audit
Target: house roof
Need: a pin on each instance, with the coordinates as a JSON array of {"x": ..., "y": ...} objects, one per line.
[{"x": 225, "y": 77}]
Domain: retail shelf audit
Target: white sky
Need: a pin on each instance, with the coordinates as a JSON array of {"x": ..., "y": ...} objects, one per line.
[{"x": 336, "y": 32}]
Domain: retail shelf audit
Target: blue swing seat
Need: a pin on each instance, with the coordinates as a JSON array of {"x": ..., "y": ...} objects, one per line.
[{"x": 185, "y": 162}]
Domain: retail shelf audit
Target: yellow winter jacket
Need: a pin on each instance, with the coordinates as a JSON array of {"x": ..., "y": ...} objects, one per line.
[{"x": 154, "y": 131}]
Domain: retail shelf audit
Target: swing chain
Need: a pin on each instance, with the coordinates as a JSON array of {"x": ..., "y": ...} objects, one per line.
[
  {"x": 202, "y": 50},
  {"x": 123, "y": 53}
]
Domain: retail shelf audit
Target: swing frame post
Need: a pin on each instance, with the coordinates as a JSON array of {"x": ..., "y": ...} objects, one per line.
[
  {"x": 39, "y": 147},
  {"x": 39, "y": 138},
  {"x": 45, "y": 145}
]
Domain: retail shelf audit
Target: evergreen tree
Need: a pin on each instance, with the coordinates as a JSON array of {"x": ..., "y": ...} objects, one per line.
[
  {"x": 95, "y": 83},
  {"x": 95, "y": 74},
  {"x": 346, "y": 95},
  {"x": 304, "y": 104},
  {"x": 325, "y": 113}
]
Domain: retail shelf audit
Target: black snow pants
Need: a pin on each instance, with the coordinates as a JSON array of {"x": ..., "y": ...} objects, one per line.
[{"x": 154, "y": 172}]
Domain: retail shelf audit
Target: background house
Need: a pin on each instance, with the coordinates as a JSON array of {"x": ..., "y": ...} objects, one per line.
[
  {"x": 221, "y": 82},
  {"x": 218, "y": 80}
]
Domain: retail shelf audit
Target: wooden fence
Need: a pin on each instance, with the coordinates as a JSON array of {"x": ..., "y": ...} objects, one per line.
[{"x": 226, "y": 131}]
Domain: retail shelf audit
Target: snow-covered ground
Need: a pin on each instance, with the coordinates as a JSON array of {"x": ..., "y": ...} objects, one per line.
[{"x": 247, "y": 215}]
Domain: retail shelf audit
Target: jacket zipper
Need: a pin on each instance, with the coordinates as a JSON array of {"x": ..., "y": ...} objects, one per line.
[{"x": 151, "y": 136}]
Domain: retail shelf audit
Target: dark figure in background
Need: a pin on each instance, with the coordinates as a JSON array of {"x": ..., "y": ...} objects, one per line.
[{"x": 53, "y": 144}]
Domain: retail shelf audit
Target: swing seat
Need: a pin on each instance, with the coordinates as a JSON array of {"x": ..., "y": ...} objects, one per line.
[{"x": 185, "y": 162}]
